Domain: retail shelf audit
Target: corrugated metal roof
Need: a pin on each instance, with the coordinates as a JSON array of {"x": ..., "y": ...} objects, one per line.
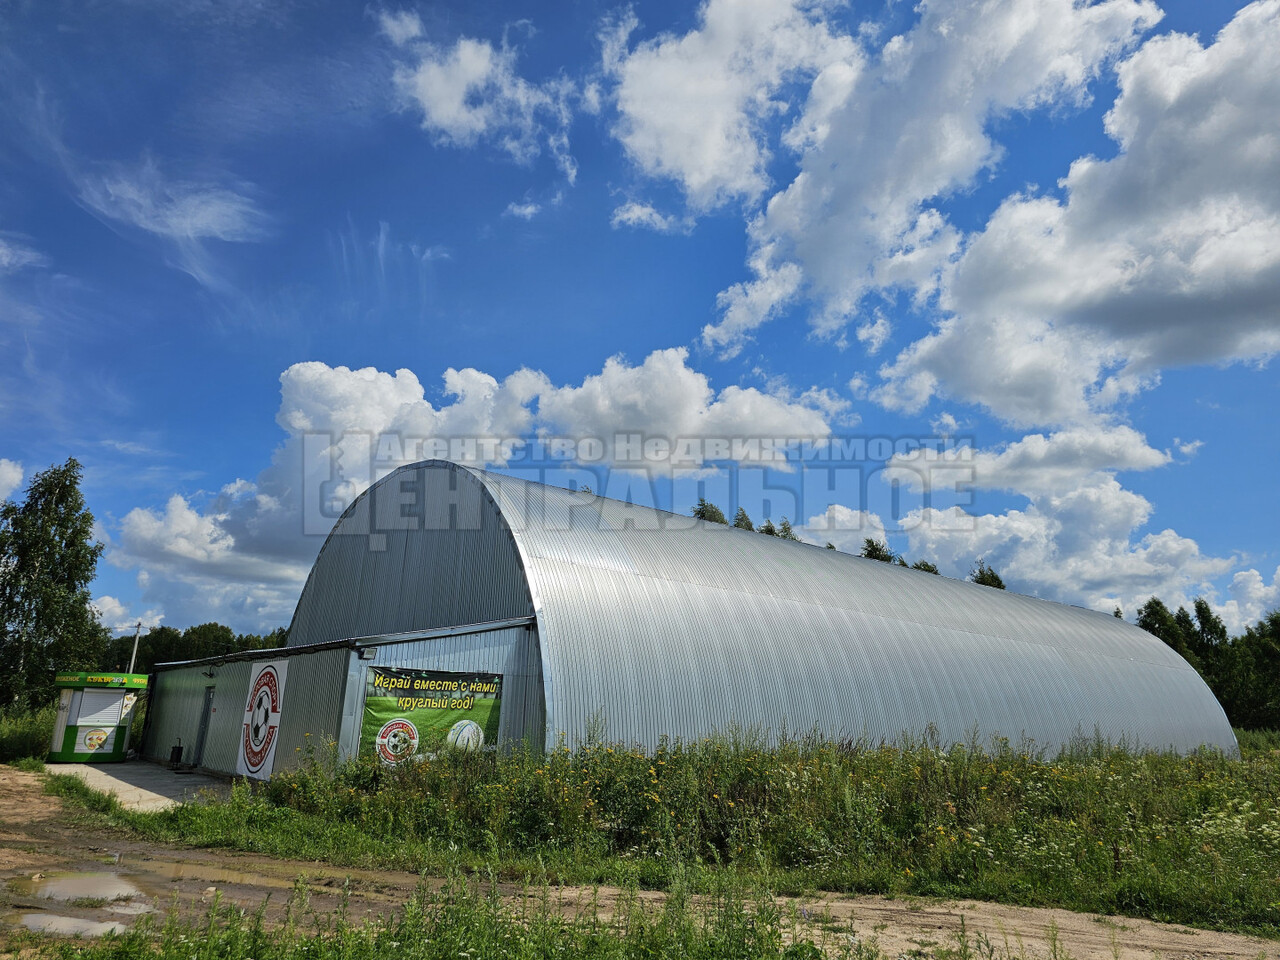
[{"x": 655, "y": 624}]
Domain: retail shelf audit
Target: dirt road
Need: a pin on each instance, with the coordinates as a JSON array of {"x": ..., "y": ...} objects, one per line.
[{"x": 61, "y": 875}]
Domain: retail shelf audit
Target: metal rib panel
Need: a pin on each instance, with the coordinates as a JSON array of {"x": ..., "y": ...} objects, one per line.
[
  {"x": 421, "y": 548},
  {"x": 658, "y": 624},
  {"x": 312, "y": 714}
]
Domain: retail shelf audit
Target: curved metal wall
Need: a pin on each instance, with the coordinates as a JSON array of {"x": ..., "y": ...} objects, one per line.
[
  {"x": 420, "y": 548},
  {"x": 650, "y": 623},
  {"x": 658, "y": 624}
]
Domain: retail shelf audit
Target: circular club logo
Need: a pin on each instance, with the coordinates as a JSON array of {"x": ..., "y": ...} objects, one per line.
[
  {"x": 264, "y": 719},
  {"x": 397, "y": 740}
]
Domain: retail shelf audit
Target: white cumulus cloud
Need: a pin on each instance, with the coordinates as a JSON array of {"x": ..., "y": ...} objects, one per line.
[
  {"x": 882, "y": 144},
  {"x": 1167, "y": 254},
  {"x": 115, "y": 615},
  {"x": 1036, "y": 464},
  {"x": 644, "y": 216},
  {"x": 240, "y": 555},
  {"x": 470, "y": 91},
  {"x": 1083, "y": 546},
  {"x": 1251, "y": 598},
  {"x": 10, "y": 476},
  {"x": 690, "y": 107}
]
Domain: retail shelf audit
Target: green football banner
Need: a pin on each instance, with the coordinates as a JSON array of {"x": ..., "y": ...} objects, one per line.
[{"x": 418, "y": 712}]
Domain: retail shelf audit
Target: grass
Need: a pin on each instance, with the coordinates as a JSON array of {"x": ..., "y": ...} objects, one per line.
[
  {"x": 25, "y": 734},
  {"x": 469, "y": 920},
  {"x": 1258, "y": 743},
  {"x": 1097, "y": 829},
  {"x": 1193, "y": 840},
  {"x": 463, "y": 920}
]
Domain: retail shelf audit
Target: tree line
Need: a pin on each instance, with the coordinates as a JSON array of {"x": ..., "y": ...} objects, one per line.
[
  {"x": 709, "y": 512},
  {"x": 169, "y": 644},
  {"x": 1243, "y": 671},
  {"x": 872, "y": 549},
  {"x": 48, "y": 557},
  {"x": 48, "y": 624}
]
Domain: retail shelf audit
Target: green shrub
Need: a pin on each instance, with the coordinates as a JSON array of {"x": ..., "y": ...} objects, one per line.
[
  {"x": 1193, "y": 839},
  {"x": 26, "y": 733},
  {"x": 1258, "y": 743}
]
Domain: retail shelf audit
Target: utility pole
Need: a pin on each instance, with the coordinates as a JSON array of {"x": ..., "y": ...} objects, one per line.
[{"x": 134, "y": 656}]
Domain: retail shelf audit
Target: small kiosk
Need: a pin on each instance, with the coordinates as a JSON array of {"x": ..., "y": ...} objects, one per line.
[{"x": 94, "y": 711}]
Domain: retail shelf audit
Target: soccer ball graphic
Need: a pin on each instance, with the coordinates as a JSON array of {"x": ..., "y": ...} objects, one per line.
[
  {"x": 261, "y": 718},
  {"x": 465, "y": 735},
  {"x": 401, "y": 742}
]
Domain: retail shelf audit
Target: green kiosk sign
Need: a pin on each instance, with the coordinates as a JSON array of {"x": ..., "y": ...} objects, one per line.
[
  {"x": 409, "y": 712},
  {"x": 94, "y": 712}
]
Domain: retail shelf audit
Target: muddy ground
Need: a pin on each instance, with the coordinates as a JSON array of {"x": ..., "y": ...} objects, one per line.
[{"x": 61, "y": 872}]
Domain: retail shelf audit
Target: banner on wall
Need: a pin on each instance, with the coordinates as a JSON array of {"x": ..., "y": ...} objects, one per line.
[
  {"x": 257, "y": 755},
  {"x": 418, "y": 712}
]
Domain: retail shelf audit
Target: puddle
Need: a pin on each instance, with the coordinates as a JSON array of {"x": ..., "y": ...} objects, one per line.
[
  {"x": 129, "y": 908},
  {"x": 183, "y": 870},
  {"x": 68, "y": 926},
  {"x": 77, "y": 886}
]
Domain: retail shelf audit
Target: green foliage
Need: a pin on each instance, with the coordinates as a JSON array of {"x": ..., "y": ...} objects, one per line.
[
  {"x": 47, "y": 560},
  {"x": 709, "y": 512},
  {"x": 874, "y": 549},
  {"x": 1155, "y": 617},
  {"x": 768, "y": 529},
  {"x": 1243, "y": 672},
  {"x": 1258, "y": 744},
  {"x": 742, "y": 521},
  {"x": 1188, "y": 839},
  {"x": 785, "y": 532},
  {"x": 167, "y": 644},
  {"x": 71, "y": 787},
  {"x": 25, "y": 733},
  {"x": 985, "y": 575}
]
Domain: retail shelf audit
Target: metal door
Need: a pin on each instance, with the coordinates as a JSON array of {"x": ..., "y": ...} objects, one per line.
[{"x": 197, "y": 758}]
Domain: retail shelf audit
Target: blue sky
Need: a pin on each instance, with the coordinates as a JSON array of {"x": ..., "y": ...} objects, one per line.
[{"x": 238, "y": 239}]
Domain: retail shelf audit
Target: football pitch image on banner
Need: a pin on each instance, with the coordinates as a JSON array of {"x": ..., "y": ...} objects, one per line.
[{"x": 416, "y": 712}]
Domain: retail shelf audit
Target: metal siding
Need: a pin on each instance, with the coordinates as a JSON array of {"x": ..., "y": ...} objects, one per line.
[
  {"x": 312, "y": 704},
  {"x": 421, "y": 548},
  {"x": 313, "y": 700},
  {"x": 176, "y": 699},
  {"x": 657, "y": 624},
  {"x": 178, "y": 707},
  {"x": 661, "y": 625}
]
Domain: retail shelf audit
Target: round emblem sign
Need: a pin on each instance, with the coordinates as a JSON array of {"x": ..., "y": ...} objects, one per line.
[
  {"x": 264, "y": 719},
  {"x": 94, "y": 739},
  {"x": 397, "y": 740}
]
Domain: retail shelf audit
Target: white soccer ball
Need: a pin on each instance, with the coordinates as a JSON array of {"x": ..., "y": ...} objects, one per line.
[{"x": 465, "y": 735}]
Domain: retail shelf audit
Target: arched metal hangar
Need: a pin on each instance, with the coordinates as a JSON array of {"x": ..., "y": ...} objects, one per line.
[{"x": 633, "y": 623}]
